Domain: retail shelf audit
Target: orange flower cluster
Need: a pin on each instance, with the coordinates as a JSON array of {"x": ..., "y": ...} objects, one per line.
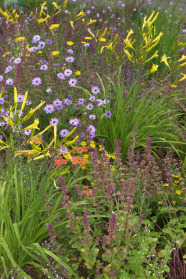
[
  {"x": 87, "y": 191},
  {"x": 60, "y": 161},
  {"x": 82, "y": 149},
  {"x": 78, "y": 161},
  {"x": 35, "y": 140}
]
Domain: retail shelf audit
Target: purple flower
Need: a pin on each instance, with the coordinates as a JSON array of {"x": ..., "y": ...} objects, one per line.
[
  {"x": 56, "y": 64},
  {"x": 66, "y": 11},
  {"x": 89, "y": 106},
  {"x": 32, "y": 49},
  {"x": 41, "y": 45},
  {"x": 70, "y": 51},
  {"x": 48, "y": 41},
  {"x": 8, "y": 69},
  {"x": 61, "y": 76},
  {"x": 49, "y": 90},
  {"x": 9, "y": 81},
  {"x": 63, "y": 150},
  {"x": 92, "y": 98},
  {"x": 67, "y": 72},
  {"x": 1, "y": 137},
  {"x": 72, "y": 82},
  {"x": 95, "y": 90},
  {"x": 17, "y": 60},
  {"x": 81, "y": 101},
  {"x": 171, "y": 2},
  {"x": 49, "y": 108},
  {"x": 36, "y": 81},
  {"x": 36, "y": 38},
  {"x": 43, "y": 62},
  {"x": 67, "y": 102},
  {"x": 86, "y": 45},
  {"x": 108, "y": 114},
  {"x": 69, "y": 96},
  {"x": 64, "y": 132},
  {"x": 43, "y": 67},
  {"x": 2, "y": 100},
  {"x": 75, "y": 122},
  {"x": 91, "y": 131},
  {"x": 28, "y": 102},
  {"x": 88, "y": 12},
  {"x": 99, "y": 102},
  {"x": 2, "y": 123},
  {"x": 92, "y": 116},
  {"x": 75, "y": 106},
  {"x": 69, "y": 59},
  {"x": 27, "y": 132},
  {"x": 82, "y": 135},
  {"x": 54, "y": 121},
  {"x": 20, "y": 98},
  {"x": 1, "y": 78},
  {"x": 57, "y": 103}
]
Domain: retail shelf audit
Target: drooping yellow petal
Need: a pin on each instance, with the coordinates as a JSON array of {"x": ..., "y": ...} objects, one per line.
[
  {"x": 81, "y": 14},
  {"x": 129, "y": 33},
  {"x": 53, "y": 26},
  {"x": 32, "y": 111},
  {"x": 24, "y": 102},
  {"x": 154, "y": 68},
  {"x": 130, "y": 57},
  {"x": 183, "y": 78},
  {"x": 153, "y": 56},
  {"x": 8, "y": 121},
  {"x": 72, "y": 24},
  {"x": 182, "y": 58},
  {"x": 182, "y": 65},
  {"x": 91, "y": 21},
  {"x": 33, "y": 125},
  {"x": 42, "y": 156},
  {"x": 164, "y": 59},
  {"x": 15, "y": 95},
  {"x": 128, "y": 43}
]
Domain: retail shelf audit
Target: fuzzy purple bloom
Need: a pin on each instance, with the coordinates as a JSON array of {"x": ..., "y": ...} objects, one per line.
[
  {"x": 49, "y": 109},
  {"x": 36, "y": 81}
]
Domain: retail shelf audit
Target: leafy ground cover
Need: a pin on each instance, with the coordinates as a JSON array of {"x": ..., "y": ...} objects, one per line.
[{"x": 92, "y": 140}]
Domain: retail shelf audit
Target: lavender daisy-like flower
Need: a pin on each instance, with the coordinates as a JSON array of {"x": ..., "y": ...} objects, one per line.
[
  {"x": 69, "y": 59},
  {"x": 2, "y": 100},
  {"x": 8, "y": 69},
  {"x": 67, "y": 72},
  {"x": 75, "y": 106},
  {"x": 72, "y": 82},
  {"x": 91, "y": 131},
  {"x": 36, "y": 38},
  {"x": 70, "y": 51},
  {"x": 28, "y": 102},
  {"x": 81, "y": 101},
  {"x": 64, "y": 132},
  {"x": 1, "y": 78},
  {"x": 99, "y": 102},
  {"x": 63, "y": 150},
  {"x": 82, "y": 135},
  {"x": 41, "y": 45},
  {"x": 2, "y": 123},
  {"x": 89, "y": 106},
  {"x": 95, "y": 90},
  {"x": 54, "y": 121},
  {"x": 108, "y": 114},
  {"x": 27, "y": 132},
  {"x": 86, "y": 45},
  {"x": 49, "y": 108},
  {"x": 43, "y": 67},
  {"x": 57, "y": 103},
  {"x": 92, "y": 116},
  {"x": 74, "y": 122},
  {"x": 67, "y": 102},
  {"x": 20, "y": 98},
  {"x": 17, "y": 60},
  {"x": 61, "y": 76},
  {"x": 48, "y": 41},
  {"x": 10, "y": 81},
  {"x": 36, "y": 81},
  {"x": 49, "y": 90},
  {"x": 32, "y": 49},
  {"x": 92, "y": 98}
]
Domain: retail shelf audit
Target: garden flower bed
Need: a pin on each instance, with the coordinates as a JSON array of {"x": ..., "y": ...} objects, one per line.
[{"x": 92, "y": 140}]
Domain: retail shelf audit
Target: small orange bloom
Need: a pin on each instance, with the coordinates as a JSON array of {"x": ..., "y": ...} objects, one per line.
[
  {"x": 82, "y": 149},
  {"x": 78, "y": 161},
  {"x": 35, "y": 140},
  {"x": 87, "y": 191},
  {"x": 60, "y": 161}
]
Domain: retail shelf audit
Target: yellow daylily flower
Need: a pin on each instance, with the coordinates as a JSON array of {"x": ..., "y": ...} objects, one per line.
[
  {"x": 102, "y": 40},
  {"x": 91, "y": 21},
  {"x": 15, "y": 95},
  {"x": 26, "y": 152},
  {"x": 8, "y": 121},
  {"x": 164, "y": 59},
  {"x": 182, "y": 58},
  {"x": 182, "y": 65},
  {"x": 130, "y": 57},
  {"x": 88, "y": 38},
  {"x": 70, "y": 43},
  {"x": 72, "y": 24},
  {"x": 128, "y": 43},
  {"x": 24, "y": 102},
  {"x": 33, "y": 125},
  {"x": 154, "y": 68},
  {"x": 32, "y": 111},
  {"x": 81, "y": 14},
  {"x": 55, "y": 5},
  {"x": 153, "y": 56},
  {"x": 42, "y": 156},
  {"x": 54, "y": 53},
  {"x": 19, "y": 39},
  {"x": 129, "y": 33},
  {"x": 53, "y": 26},
  {"x": 183, "y": 78}
]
